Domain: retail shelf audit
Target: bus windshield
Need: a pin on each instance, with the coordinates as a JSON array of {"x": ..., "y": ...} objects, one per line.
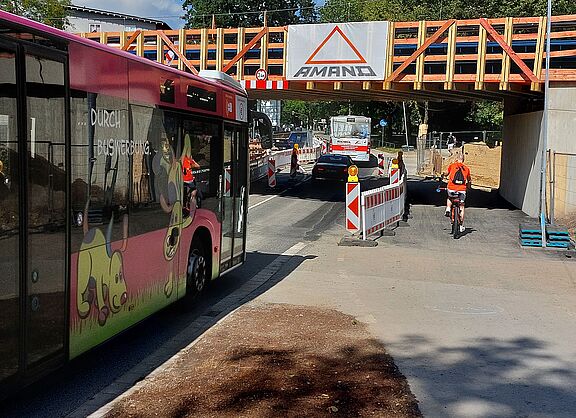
[{"x": 344, "y": 129}]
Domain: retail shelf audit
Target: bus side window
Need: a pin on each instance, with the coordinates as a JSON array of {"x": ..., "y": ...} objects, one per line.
[
  {"x": 200, "y": 142},
  {"x": 100, "y": 162},
  {"x": 154, "y": 162}
]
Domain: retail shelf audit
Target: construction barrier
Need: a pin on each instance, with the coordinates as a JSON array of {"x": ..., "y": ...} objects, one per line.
[
  {"x": 271, "y": 172},
  {"x": 382, "y": 207},
  {"x": 227, "y": 181},
  {"x": 394, "y": 175},
  {"x": 353, "y": 207},
  {"x": 383, "y": 164}
]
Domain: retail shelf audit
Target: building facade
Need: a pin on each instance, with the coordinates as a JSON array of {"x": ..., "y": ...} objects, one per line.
[{"x": 84, "y": 19}]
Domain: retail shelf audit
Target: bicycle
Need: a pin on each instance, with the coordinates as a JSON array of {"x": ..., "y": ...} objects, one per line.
[{"x": 455, "y": 213}]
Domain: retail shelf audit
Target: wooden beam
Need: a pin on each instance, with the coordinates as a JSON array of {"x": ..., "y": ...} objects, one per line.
[
  {"x": 389, "y": 55},
  {"x": 219, "y": 48},
  {"x": 539, "y": 53},
  {"x": 264, "y": 50},
  {"x": 203, "y": 48},
  {"x": 505, "y": 73},
  {"x": 182, "y": 58},
  {"x": 481, "y": 61},
  {"x": 140, "y": 45},
  {"x": 420, "y": 60},
  {"x": 451, "y": 57},
  {"x": 159, "y": 48},
  {"x": 246, "y": 48},
  {"x": 128, "y": 43},
  {"x": 508, "y": 49},
  {"x": 284, "y": 55},
  {"x": 240, "y": 62},
  {"x": 181, "y": 47},
  {"x": 420, "y": 50}
]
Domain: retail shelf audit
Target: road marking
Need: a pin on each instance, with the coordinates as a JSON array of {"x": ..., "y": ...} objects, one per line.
[{"x": 276, "y": 195}]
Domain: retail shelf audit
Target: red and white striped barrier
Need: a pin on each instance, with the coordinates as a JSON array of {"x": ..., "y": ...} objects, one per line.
[
  {"x": 394, "y": 175},
  {"x": 227, "y": 181},
  {"x": 381, "y": 165},
  {"x": 308, "y": 154},
  {"x": 271, "y": 172},
  {"x": 353, "y": 207},
  {"x": 382, "y": 207},
  {"x": 264, "y": 84}
]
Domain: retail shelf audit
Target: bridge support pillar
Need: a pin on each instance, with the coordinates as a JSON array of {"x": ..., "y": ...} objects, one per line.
[{"x": 522, "y": 152}]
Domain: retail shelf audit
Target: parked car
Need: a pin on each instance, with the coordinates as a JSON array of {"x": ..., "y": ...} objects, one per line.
[{"x": 332, "y": 167}]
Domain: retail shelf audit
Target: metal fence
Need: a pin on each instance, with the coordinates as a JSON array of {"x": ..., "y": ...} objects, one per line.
[
  {"x": 432, "y": 147},
  {"x": 562, "y": 188}
]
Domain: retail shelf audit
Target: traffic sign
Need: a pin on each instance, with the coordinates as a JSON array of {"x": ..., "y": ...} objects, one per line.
[
  {"x": 383, "y": 123},
  {"x": 261, "y": 74}
]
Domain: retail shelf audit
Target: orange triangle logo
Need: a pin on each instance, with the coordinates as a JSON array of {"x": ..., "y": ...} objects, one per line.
[{"x": 360, "y": 59}]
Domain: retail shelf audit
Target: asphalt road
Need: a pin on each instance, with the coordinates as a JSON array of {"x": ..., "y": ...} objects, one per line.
[{"x": 294, "y": 212}]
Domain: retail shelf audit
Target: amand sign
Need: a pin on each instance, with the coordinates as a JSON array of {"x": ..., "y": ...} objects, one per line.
[{"x": 337, "y": 51}]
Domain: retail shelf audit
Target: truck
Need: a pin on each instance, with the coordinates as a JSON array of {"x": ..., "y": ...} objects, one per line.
[{"x": 350, "y": 135}]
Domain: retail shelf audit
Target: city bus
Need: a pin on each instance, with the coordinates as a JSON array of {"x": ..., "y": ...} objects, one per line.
[
  {"x": 123, "y": 188},
  {"x": 350, "y": 135}
]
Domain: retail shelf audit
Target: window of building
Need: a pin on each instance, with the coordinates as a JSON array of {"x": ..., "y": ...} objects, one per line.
[{"x": 94, "y": 27}]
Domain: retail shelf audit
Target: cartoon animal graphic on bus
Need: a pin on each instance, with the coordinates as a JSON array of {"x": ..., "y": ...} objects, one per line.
[
  {"x": 167, "y": 165},
  {"x": 101, "y": 283}
]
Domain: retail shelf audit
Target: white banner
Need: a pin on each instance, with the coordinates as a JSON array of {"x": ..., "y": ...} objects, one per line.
[{"x": 337, "y": 51}]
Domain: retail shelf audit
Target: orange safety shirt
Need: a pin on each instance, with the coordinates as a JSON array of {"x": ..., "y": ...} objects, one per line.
[
  {"x": 187, "y": 165},
  {"x": 452, "y": 168}
]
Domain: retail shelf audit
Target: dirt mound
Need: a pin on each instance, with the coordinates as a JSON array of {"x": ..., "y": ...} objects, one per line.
[
  {"x": 484, "y": 163},
  {"x": 278, "y": 360}
]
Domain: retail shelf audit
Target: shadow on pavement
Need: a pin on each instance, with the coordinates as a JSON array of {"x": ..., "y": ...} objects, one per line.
[
  {"x": 423, "y": 192},
  {"x": 121, "y": 362},
  {"x": 544, "y": 384}
]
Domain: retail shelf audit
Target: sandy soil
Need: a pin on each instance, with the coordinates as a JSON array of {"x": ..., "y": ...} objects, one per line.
[{"x": 278, "y": 360}]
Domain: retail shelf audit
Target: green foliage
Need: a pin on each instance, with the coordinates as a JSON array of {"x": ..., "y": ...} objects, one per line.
[
  {"x": 487, "y": 115},
  {"x": 50, "y": 12},
  {"x": 411, "y": 10},
  {"x": 240, "y": 13}
]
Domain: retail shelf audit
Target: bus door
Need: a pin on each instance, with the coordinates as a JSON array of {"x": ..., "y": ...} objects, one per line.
[
  {"x": 234, "y": 197},
  {"x": 33, "y": 201}
]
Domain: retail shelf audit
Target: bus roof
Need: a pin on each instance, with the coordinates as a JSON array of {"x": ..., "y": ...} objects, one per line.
[
  {"x": 23, "y": 24},
  {"x": 350, "y": 117}
]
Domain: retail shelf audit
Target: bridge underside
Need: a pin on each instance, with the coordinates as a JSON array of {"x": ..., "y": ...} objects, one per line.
[{"x": 374, "y": 91}]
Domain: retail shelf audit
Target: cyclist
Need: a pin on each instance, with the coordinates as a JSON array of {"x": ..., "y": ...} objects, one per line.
[{"x": 459, "y": 181}]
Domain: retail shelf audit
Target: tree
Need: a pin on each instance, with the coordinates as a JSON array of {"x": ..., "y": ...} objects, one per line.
[
  {"x": 246, "y": 13},
  {"x": 50, "y": 12}
]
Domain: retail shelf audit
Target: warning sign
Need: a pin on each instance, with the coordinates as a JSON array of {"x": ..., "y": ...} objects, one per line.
[{"x": 337, "y": 51}]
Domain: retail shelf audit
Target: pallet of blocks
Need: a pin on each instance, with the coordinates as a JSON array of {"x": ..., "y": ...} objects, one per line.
[
  {"x": 557, "y": 236},
  {"x": 530, "y": 235}
]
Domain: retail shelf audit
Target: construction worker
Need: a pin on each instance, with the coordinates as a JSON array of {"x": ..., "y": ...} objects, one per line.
[{"x": 294, "y": 162}]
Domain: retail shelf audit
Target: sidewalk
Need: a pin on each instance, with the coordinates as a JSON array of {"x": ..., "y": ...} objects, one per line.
[{"x": 479, "y": 326}]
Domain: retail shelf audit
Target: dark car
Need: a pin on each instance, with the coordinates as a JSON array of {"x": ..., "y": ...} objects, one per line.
[{"x": 332, "y": 166}]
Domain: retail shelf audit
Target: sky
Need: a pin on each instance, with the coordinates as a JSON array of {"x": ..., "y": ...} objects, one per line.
[{"x": 168, "y": 11}]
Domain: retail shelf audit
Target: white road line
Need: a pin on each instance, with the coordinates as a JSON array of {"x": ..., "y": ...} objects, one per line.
[{"x": 276, "y": 195}]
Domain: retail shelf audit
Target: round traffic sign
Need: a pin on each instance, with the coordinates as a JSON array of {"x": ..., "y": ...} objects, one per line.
[
  {"x": 261, "y": 74},
  {"x": 383, "y": 122}
]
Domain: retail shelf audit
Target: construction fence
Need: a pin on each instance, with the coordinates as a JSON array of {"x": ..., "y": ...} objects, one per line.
[{"x": 561, "y": 190}]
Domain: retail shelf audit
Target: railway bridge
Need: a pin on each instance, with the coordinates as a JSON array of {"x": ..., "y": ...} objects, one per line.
[{"x": 499, "y": 59}]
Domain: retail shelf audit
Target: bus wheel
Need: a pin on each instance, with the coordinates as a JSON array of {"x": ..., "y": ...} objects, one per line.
[{"x": 197, "y": 273}]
